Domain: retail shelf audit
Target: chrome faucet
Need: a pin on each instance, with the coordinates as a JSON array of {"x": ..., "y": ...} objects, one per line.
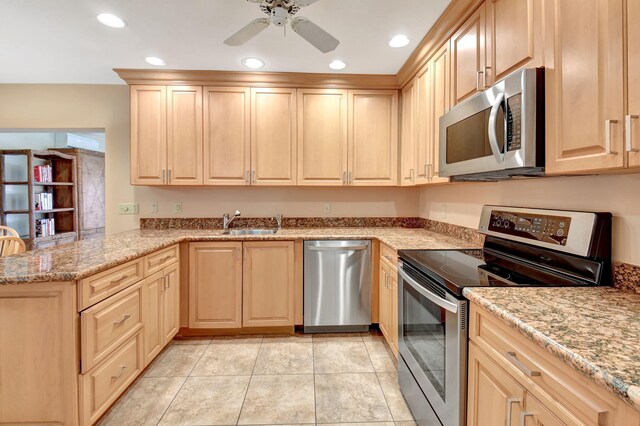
[
  {"x": 278, "y": 219},
  {"x": 226, "y": 221}
]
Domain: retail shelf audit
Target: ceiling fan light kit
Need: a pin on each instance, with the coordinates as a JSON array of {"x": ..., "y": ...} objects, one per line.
[{"x": 281, "y": 12}]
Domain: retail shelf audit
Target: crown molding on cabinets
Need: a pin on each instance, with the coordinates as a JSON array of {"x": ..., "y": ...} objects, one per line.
[
  {"x": 258, "y": 79},
  {"x": 454, "y": 15}
]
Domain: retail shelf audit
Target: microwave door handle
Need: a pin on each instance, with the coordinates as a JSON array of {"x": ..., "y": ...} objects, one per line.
[
  {"x": 493, "y": 136},
  {"x": 444, "y": 304}
]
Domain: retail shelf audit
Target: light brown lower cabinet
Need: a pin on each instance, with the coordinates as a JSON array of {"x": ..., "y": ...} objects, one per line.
[
  {"x": 234, "y": 284},
  {"x": 388, "y": 298},
  {"x": 514, "y": 381}
]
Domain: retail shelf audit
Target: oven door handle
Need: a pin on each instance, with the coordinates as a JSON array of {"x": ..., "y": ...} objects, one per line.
[
  {"x": 493, "y": 135},
  {"x": 444, "y": 304}
]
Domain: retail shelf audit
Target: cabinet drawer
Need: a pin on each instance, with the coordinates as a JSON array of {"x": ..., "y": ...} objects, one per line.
[
  {"x": 573, "y": 398},
  {"x": 388, "y": 254},
  {"x": 105, "y": 383},
  {"x": 108, "y": 324},
  {"x": 104, "y": 284},
  {"x": 157, "y": 261}
]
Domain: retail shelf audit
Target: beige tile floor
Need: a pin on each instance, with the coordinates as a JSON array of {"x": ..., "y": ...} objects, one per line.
[{"x": 324, "y": 379}]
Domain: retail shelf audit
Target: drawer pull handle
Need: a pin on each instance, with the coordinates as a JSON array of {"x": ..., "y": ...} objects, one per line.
[
  {"x": 510, "y": 403},
  {"x": 162, "y": 259},
  {"x": 124, "y": 318},
  {"x": 520, "y": 366},
  {"x": 117, "y": 376},
  {"x": 389, "y": 258},
  {"x": 120, "y": 278}
]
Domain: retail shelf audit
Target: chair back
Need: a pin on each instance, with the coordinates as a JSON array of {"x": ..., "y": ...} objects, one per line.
[
  {"x": 6, "y": 231},
  {"x": 10, "y": 245}
]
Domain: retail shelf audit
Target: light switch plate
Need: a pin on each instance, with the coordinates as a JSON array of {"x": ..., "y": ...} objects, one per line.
[
  {"x": 177, "y": 208},
  {"x": 128, "y": 208},
  {"x": 326, "y": 209},
  {"x": 154, "y": 207}
]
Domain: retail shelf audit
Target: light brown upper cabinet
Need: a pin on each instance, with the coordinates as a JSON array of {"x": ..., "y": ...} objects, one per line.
[
  {"x": 441, "y": 89},
  {"x": 268, "y": 284},
  {"x": 273, "y": 137},
  {"x": 514, "y": 37},
  {"x": 373, "y": 137},
  {"x": 584, "y": 87},
  {"x": 227, "y": 135},
  {"x": 632, "y": 131},
  {"x": 408, "y": 141},
  {"x": 184, "y": 135},
  {"x": 148, "y": 135},
  {"x": 322, "y": 137},
  {"x": 468, "y": 57},
  {"x": 423, "y": 117},
  {"x": 215, "y": 285},
  {"x": 166, "y": 135}
]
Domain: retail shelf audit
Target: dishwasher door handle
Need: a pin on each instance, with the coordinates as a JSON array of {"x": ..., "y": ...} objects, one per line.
[{"x": 338, "y": 248}]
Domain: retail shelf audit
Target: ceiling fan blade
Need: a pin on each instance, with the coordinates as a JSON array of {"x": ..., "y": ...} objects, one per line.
[
  {"x": 247, "y": 32},
  {"x": 315, "y": 35},
  {"x": 303, "y": 3}
]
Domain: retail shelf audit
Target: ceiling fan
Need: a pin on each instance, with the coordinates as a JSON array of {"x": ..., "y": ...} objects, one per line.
[{"x": 279, "y": 13}]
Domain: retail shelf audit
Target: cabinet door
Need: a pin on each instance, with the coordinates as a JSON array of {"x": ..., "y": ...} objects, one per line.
[
  {"x": 171, "y": 303},
  {"x": 322, "y": 137},
  {"x": 268, "y": 284},
  {"x": 273, "y": 137},
  {"x": 584, "y": 115},
  {"x": 184, "y": 135},
  {"x": 440, "y": 64},
  {"x": 468, "y": 57},
  {"x": 393, "y": 309},
  {"x": 152, "y": 306},
  {"x": 215, "y": 285},
  {"x": 227, "y": 135},
  {"x": 409, "y": 129},
  {"x": 494, "y": 397},
  {"x": 373, "y": 137},
  {"x": 513, "y": 38},
  {"x": 424, "y": 122},
  {"x": 148, "y": 135},
  {"x": 633, "y": 84},
  {"x": 384, "y": 311},
  {"x": 537, "y": 414}
]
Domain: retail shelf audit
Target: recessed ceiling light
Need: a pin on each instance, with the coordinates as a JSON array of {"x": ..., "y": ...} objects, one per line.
[
  {"x": 155, "y": 61},
  {"x": 399, "y": 40},
  {"x": 253, "y": 63},
  {"x": 111, "y": 20},
  {"x": 337, "y": 65}
]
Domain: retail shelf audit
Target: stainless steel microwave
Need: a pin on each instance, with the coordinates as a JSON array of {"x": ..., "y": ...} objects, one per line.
[{"x": 498, "y": 133}]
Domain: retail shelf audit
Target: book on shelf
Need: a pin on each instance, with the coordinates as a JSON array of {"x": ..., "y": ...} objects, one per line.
[
  {"x": 43, "y": 201},
  {"x": 45, "y": 227},
  {"x": 43, "y": 174}
]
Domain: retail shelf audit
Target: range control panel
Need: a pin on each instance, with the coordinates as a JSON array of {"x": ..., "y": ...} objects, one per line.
[{"x": 538, "y": 227}]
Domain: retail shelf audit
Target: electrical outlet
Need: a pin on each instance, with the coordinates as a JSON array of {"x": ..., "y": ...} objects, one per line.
[
  {"x": 154, "y": 207},
  {"x": 444, "y": 211},
  {"x": 326, "y": 209},
  {"x": 128, "y": 208},
  {"x": 177, "y": 207}
]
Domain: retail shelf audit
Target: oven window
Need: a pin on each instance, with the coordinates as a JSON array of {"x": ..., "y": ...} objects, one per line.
[
  {"x": 424, "y": 326},
  {"x": 469, "y": 139}
]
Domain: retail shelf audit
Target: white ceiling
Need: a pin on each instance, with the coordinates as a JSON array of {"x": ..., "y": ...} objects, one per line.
[{"x": 60, "y": 41}]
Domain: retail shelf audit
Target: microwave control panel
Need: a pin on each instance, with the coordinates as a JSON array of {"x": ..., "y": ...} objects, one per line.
[
  {"x": 538, "y": 227},
  {"x": 514, "y": 122}
]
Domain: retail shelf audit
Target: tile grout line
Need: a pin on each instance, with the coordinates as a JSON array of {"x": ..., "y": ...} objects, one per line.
[
  {"x": 384, "y": 395},
  {"x": 183, "y": 383},
  {"x": 244, "y": 399},
  {"x": 313, "y": 370}
]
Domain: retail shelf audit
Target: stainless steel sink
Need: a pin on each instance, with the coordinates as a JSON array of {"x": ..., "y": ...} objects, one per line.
[{"x": 250, "y": 231}]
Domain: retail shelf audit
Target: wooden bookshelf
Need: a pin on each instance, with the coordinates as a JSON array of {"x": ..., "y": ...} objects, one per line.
[{"x": 19, "y": 190}]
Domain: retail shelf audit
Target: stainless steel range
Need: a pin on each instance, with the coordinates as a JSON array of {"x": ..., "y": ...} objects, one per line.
[{"x": 523, "y": 247}]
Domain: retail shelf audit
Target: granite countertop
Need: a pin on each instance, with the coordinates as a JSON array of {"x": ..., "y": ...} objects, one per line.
[
  {"x": 81, "y": 259},
  {"x": 595, "y": 330}
]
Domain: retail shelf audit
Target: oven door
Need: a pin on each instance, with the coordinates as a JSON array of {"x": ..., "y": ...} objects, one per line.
[{"x": 433, "y": 343}]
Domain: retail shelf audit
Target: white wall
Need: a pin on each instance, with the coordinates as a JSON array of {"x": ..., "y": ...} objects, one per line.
[{"x": 618, "y": 194}]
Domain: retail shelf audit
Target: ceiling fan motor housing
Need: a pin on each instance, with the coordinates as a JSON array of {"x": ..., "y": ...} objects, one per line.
[{"x": 279, "y": 10}]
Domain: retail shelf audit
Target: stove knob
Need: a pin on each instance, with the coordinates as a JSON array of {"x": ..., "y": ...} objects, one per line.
[{"x": 560, "y": 232}]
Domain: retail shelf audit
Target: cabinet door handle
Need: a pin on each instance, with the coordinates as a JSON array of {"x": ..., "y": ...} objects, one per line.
[
  {"x": 169, "y": 176},
  {"x": 484, "y": 76},
  {"x": 478, "y": 87},
  {"x": 607, "y": 137},
  {"x": 124, "y": 318},
  {"x": 246, "y": 176},
  {"x": 523, "y": 417},
  {"x": 344, "y": 178},
  {"x": 167, "y": 282},
  {"x": 253, "y": 176},
  {"x": 511, "y": 356},
  {"x": 411, "y": 176},
  {"x": 628, "y": 135},
  {"x": 510, "y": 403},
  {"x": 117, "y": 376},
  {"x": 163, "y": 176}
]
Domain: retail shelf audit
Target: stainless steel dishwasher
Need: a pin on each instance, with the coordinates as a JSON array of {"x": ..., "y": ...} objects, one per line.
[{"x": 337, "y": 286}]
